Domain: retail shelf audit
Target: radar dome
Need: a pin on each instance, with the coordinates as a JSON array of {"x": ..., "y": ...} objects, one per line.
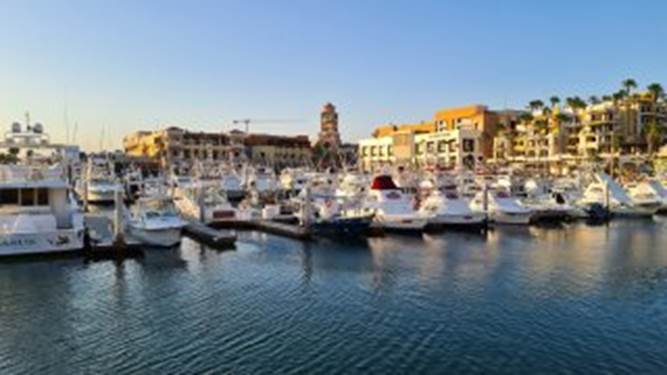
[{"x": 38, "y": 128}]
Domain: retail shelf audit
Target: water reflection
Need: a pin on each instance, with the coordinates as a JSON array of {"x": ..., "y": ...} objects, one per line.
[{"x": 521, "y": 299}]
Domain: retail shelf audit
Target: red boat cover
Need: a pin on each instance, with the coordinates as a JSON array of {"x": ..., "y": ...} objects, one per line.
[{"x": 383, "y": 182}]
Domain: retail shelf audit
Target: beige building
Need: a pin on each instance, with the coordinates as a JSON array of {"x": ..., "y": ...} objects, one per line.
[
  {"x": 457, "y": 149},
  {"x": 557, "y": 140},
  {"x": 179, "y": 146},
  {"x": 278, "y": 151}
]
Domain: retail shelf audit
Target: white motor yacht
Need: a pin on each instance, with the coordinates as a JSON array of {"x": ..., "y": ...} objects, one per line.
[
  {"x": 155, "y": 222},
  {"x": 261, "y": 179},
  {"x": 608, "y": 193},
  {"x": 394, "y": 210},
  {"x": 446, "y": 208},
  {"x": 212, "y": 200},
  {"x": 648, "y": 194},
  {"x": 502, "y": 207},
  {"x": 37, "y": 213}
]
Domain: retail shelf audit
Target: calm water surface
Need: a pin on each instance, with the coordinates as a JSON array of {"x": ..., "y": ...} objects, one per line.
[{"x": 579, "y": 299}]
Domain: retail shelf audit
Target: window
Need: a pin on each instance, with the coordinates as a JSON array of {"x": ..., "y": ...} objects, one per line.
[
  {"x": 42, "y": 197},
  {"x": 390, "y": 150},
  {"x": 468, "y": 145},
  {"x": 430, "y": 146},
  {"x": 9, "y": 197},
  {"x": 27, "y": 197},
  {"x": 442, "y": 146}
]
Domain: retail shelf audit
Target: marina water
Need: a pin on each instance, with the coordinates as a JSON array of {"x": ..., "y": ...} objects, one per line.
[{"x": 579, "y": 299}]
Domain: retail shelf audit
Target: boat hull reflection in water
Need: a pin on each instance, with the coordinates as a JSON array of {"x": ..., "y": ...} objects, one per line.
[{"x": 579, "y": 299}]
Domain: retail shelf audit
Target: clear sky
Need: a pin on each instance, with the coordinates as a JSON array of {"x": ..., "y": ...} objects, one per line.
[{"x": 126, "y": 65}]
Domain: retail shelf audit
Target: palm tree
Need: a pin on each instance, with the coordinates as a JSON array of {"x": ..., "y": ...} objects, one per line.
[
  {"x": 654, "y": 134},
  {"x": 594, "y": 99},
  {"x": 535, "y": 104},
  {"x": 619, "y": 95},
  {"x": 629, "y": 84},
  {"x": 657, "y": 91},
  {"x": 526, "y": 117},
  {"x": 607, "y": 98},
  {"x": 554, "y": 100}
]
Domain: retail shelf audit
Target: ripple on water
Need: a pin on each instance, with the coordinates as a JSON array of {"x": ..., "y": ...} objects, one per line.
[{"x": 577, "y": 299}]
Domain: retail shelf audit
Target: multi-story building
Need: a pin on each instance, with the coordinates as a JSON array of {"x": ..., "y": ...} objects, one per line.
[
  {"x": 455, "y": 137},
  {"x": 173, "y": 144},
  {"x": 558, "y": 140},
  {"x": 278, "y": 151},
  {"x": 178, "y": 146},
  {"x": 457, "y": 149}
]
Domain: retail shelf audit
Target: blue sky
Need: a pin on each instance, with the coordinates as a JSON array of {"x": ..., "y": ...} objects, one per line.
[{"x": 127, "y": 65}]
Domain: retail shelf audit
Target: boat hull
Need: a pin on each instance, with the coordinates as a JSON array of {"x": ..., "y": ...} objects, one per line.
[
  {"x": 60, "y": 241},
  {"x": 412, "y": 225},
  {"x": 163, "y": 237},
  {"x": 342, "y": 226},
  {"x": 510, "y": 218}
]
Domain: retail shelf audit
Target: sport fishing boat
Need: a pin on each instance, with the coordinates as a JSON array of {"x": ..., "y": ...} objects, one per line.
[
  {"x": 608, "y": 193},
  {"x": 261, "y": 179},
  {"x": 445, "y": 208},
  {"x": 207, "y": 196},
  {"x": 547, "y": 205},
  {"x": 393, "y": 209},
  {"x": 99, "y": 185},
  {"x": 329, "y": 217},
  {"x": 155, "y": 222},
  {"x": 231, "y": 184},
  {"x": 502, "y": 207},
  {"x": 648, "y": 194}
]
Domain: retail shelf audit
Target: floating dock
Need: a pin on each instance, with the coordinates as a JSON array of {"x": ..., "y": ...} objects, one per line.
[
  {"x": 209, "y": 236},
  {"x": 101, "y": 244},
  {"x": 268, "y": 226}
]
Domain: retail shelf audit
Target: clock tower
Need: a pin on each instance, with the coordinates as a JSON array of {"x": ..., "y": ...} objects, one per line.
[{"x": 329, "y": 137}]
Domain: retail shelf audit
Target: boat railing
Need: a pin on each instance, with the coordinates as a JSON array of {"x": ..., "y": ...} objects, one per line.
[{"x": 10, "y": 173}]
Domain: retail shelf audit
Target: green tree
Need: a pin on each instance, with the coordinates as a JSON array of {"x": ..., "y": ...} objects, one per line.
[
  {"x": 594, "y": 99},
  {"x": 654, "y": 134},
  {"x": 628, "y": 85},
  {"x": 535, "y": 105},
  {"x": 656, "y": 90},
  {"x": 554, "y": 100}
]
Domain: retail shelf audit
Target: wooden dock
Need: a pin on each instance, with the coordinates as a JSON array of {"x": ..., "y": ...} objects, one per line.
[
  {"x": 282, "y": 229},
  {"x": 209, "y": 236}
]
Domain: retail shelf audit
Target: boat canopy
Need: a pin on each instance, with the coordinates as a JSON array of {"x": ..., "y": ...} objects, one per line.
[{"x": 383, "y": 182}]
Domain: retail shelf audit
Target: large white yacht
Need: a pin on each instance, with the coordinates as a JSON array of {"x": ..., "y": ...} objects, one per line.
[
  {"x": 37, "y": 212},
  {"x": 394, "y": 210}
]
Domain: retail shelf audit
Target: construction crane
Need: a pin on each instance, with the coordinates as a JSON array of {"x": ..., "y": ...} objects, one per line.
[{"x": 247, "y": 121}]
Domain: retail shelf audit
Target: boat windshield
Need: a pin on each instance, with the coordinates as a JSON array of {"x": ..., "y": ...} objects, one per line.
[
  {"x": 502, "y": 195},
  {"x": 156, "y": 208}
]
